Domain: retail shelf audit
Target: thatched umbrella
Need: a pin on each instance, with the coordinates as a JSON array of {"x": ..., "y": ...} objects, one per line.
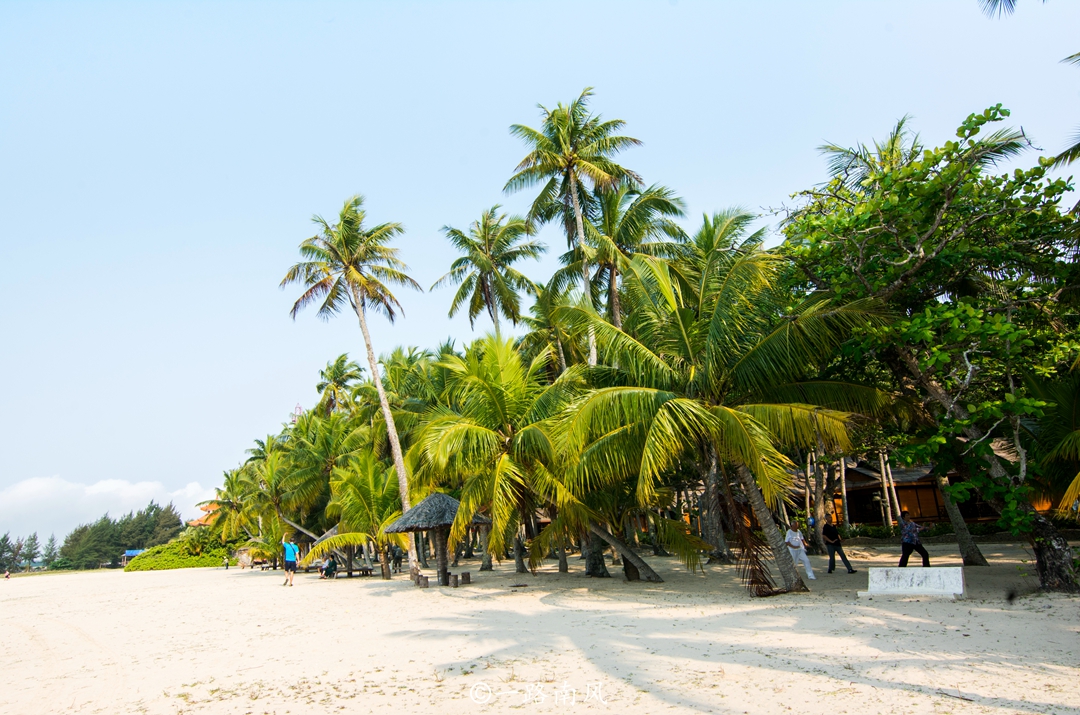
[{"x": 435, "y": 513}]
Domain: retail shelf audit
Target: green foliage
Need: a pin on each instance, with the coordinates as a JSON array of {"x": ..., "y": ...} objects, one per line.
[
  {"x": 184, "y": 553},
  {"x": 90, "y": 546},
  {"x": 62, "y": 564}
]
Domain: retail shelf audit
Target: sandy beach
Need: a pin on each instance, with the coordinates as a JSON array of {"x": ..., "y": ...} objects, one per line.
[{"x": 216, "y": 641}]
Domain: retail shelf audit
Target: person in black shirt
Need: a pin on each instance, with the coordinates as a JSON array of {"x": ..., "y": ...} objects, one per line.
[{"x": 832, "y": 543}]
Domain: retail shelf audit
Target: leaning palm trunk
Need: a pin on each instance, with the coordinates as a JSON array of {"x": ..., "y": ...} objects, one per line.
[
  {"x": 391, "y": 430},
  {"x": 646, "y": 572},
  {"x": 885, "y": 491},
  {"x": 969, "y": 550},
  {"x": 784, "y": 562},
  {"x": 753, "y": 566},
  {"x": 584, "y": 263}
]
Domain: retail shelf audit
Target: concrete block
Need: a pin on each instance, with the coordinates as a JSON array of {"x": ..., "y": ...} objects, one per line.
[{"x": 941, "y": 581}]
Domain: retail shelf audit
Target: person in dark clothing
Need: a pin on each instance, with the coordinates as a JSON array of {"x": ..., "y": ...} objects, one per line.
[
  {"x": 910, "y": 541},
  {"x": 832, "y": 543}
]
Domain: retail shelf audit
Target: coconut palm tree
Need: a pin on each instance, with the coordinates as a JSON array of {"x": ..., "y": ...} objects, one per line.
[
  {"x": 547, "y": 331},
  {"x": 348, "y": 264},
  {"x": 335, "y": 383},
  {"x": 488, "y": 281},
  {"x": 318, "y": 446},
  {"x": 711, "y": 362},
  {"x": 487, "y": 438},
  {"x": 572, "y": 152},
  {"x": 1057, "y": 436},
  {"x": 365, "y": 501},
  {"x": 231, "y": 502},
  {"x": 630, "y": 221}
]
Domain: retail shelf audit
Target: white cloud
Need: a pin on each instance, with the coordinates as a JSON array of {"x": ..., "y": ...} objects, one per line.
[{"x": 53, "y": 505}]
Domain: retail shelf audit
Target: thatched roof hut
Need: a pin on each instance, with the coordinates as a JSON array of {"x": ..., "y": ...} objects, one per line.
[{"x": 435, "y": 513}]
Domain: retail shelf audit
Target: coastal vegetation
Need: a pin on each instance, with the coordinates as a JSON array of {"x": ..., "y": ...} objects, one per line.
[{"x": 919, "y": 305}]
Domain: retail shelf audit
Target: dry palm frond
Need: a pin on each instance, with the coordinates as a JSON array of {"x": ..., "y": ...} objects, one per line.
[{"x": 753, "y": 550}]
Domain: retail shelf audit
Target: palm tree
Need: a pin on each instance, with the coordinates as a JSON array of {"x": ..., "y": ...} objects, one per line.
[
  {"x": 347, "y": 264},
  {"x": 335, "y": 382},
  {"x": 630, "y": 221},
  {"x": 1007, "y": 7},
  {"x": 231, "y": 502},
  {"x": 318, "y": 446},
  {"x": 571, "y": 152},
  {"x": 547, "y": 330},
  {"x": 1057, "y": 436},
  {"x": 365, "y": 501},
  {"x": 706, "y": 367},
  {"x": 485, "y": 271},
  {"x": 488, "y": 438}
]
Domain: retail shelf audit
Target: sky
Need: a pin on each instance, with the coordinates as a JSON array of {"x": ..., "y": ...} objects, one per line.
[{"x": 161, "y": 162}]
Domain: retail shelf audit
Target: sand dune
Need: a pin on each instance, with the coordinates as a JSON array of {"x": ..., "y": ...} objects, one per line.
[{"x": 211, "y": 641}]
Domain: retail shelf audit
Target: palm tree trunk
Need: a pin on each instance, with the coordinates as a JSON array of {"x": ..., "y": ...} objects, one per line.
[
  {"x": 646, "y": 572},
  {"x": 592, "y": 549},
  {"x": 784, "y": 562},
  {"x": 441, "y": 556},
  {"x": 714, "y": 525},
  {"x": 391, "y": 430},
  {"x": 819, "y": 504},
  {"x": 584, "y": 263},
  {"x": 843, "y": 491},
  {"x": 561, "y": 354},
  {"x": 613, "y": 297},
  {"x": 969, "y": 550},
  {"x": 485, "y": 555},
  {"x": 519, "y": 555},
  {"x": 492, "y": 312},
  {"x": 892, "y": 486},
  {"x": 885, "y": 490}
]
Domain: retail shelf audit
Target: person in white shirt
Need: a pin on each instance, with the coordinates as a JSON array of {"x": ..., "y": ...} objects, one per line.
[{"x": 797, "y": 546}]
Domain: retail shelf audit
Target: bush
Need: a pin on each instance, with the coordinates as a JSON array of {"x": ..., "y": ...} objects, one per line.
[
  {"x": 871, "y": 532},
  {"x": 176, "y": 555},
  {"x": 62, "y": 564}
]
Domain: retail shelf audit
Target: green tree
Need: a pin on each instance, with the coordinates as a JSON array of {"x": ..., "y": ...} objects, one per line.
[
  {"x": 572, "y": 152},
  {"x": 347, "y": 264},
  {"x": 631, "y": 221},
  {"x": 50, "y": 553},
  {"x": 485, "y": 271},
  {"x": 707, "y": 367},
  {"x": 365, "y": 501},
  {"x": 31, "y": 550},
  {"x": 335, "y": 383},
  {"x": 488, "y": 440},
  {"x": 974, "y": 267}
]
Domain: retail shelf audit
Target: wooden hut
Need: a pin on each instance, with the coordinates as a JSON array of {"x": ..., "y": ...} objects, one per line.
[{"x": 436, "y": 513}]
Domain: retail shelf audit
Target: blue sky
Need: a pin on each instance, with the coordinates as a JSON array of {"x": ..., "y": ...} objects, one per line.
[{"x": 160, "y": 162}]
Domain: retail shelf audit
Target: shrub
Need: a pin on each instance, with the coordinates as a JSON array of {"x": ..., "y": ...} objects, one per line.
[
  {"x": 176, "y": 555},
  {"x": 62, "y": 564}
]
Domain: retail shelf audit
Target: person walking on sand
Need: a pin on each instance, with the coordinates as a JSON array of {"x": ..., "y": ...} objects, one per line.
[
  {"x": 796, "y": 544},
  {"x": 225, "y": 561},
  {"x": 832, "y": 543},
  {"x": 292, "y": 552},
  {"x": 910, "y": 541}
]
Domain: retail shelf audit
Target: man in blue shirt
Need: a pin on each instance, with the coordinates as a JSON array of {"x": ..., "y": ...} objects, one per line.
[{"x": 292, "y": 552}]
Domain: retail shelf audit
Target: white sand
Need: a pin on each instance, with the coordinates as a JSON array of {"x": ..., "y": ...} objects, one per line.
[{"x": 211, "y": 641}]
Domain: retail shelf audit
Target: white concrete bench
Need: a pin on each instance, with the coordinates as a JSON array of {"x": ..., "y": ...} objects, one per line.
[{"x": 942, "y": 581}]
